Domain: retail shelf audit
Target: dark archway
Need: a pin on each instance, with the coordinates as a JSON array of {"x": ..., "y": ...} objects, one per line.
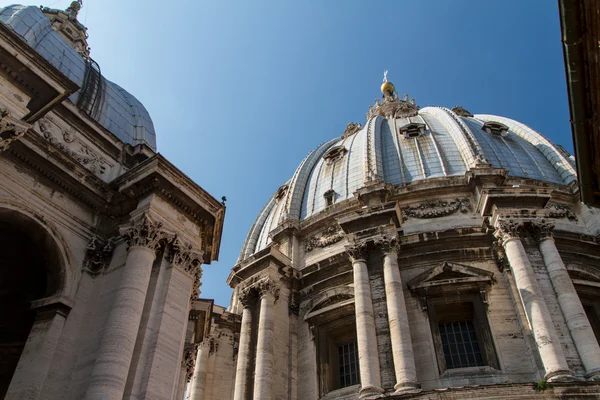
[{"x": 29, "y": 270}]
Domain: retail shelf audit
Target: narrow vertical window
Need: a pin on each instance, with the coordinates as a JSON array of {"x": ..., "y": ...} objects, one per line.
[{"x": 348, "y": 360}]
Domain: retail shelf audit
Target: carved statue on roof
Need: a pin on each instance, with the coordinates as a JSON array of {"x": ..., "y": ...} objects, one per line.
[{"x": 74, "y": 8}]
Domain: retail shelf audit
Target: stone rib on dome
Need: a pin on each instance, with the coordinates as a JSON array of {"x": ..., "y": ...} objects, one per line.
[
  {"x": 449, "y": 145},
  {"x": 118, "y": 111}
]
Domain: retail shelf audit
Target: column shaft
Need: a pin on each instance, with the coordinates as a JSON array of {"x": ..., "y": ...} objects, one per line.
[
  {"x": 368, "y": 358},
  {"x": 199, "y": 379},
  {"x": 402, "y": 351},
  {"x": 577, "y": 321},
  {"x": 243, "y": 357},
  {"x": 263, "y": 375},
  {"x": 120, "y": 332},
  {"x": 540, "y": 320}
]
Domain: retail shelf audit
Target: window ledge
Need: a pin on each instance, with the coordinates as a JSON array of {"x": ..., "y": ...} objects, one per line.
[{"x": 470, "y": 371}]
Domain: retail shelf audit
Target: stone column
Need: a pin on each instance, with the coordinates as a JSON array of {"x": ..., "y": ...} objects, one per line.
[
  {"x": 36, "y": 358},
  {"x": 368, "y": 358},
  {"x": 241, "y": 391},
  {"x": 536, "y": 310},
  {"x": 402, "y": 351},
  {"x": 199, "y": 379},
  {"x": 110, "y": 371},
  {"x": 568, "y": 299},
  {"x": 263, "y": 373}
]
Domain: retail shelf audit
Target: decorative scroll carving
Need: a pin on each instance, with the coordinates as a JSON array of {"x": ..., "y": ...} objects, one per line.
[
  {"x": 9, "y": 130},
  {"x": 189, "y": 359},
  {"x": 351, "y": 129},
  {"x": 329, "y": 236},
  {"x": 561, "y": 211},
  {"x": 541, "y": 229},
  {"x": 437, "y": 208},
  {"x": 78, "y": 151},
  {"x": 458, "y": 110},
  {"x": 267, "y": 287},
  {"x": 146, "y": 233},
  {"x": 509, "y": 229},
  {"x": 358, "y": 251},
  {"x": 499, "y": 255},
  {"x": 387, "y": 244},
  {"x": 98, "y": 254},
  {"x": 392, "y": 107}
]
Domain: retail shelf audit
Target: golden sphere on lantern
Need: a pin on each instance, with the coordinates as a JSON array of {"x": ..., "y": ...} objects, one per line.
[{"x": 387, "y": 87}]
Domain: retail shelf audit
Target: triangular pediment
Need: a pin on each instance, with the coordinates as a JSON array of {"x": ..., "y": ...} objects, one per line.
[{"x": 449, "y": 273}]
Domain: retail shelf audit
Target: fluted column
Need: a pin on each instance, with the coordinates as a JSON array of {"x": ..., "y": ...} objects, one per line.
[
  {"x": 263, "y": 373},
  {"x": 366, "y": 337},
  {"x": 199, "y": 377},
  {"x": 241, "y": 389},
  {"x": 536, "y": 310},
  {"x": 568, "y": 299},
  {"x": 110, "y": 371},
  {"x": 402, "y": 351}
]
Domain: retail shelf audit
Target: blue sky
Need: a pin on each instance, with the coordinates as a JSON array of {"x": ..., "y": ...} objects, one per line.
[{"x": 241, "y": 91}]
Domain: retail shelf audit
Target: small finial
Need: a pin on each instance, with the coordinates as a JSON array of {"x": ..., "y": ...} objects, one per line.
[
  {"x": 385, "y": 76},
  {"x": 223, "y": 200}
]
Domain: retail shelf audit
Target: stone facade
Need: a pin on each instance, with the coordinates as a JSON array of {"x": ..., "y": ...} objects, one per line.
[{"x": 102, "y": 239}]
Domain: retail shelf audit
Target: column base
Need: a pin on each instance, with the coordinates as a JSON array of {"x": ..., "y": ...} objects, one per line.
[
  {"x": 370, "y": 391},
  {"x": 560, "y": 376},
  {"x": 407, "y": 387},
  {"x": 593, "y": 375}
]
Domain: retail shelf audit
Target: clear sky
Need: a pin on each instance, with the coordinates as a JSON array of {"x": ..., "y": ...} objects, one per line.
[{"x": 241, "y": 91}]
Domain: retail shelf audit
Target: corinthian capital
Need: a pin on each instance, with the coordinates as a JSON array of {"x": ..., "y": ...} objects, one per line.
[
  {"x": 542, "y": 229},
  {"x": 186, "y": 256},
  {"x": 358, "y": 251},
  {"x": 387, "y": 244},
  {"x": 247, "y": 296},
  {"x": 267, "y": 287},
  {"x": 146, "y": 233},
  {"x": 508, "y": 229}
]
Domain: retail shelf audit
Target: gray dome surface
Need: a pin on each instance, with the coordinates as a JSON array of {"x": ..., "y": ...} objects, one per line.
[
  {"x": 448, "y": 145},
  {"x": 117, "y": 110}
]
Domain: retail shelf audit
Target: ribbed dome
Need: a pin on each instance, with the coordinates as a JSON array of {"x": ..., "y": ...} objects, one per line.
[
  {"x": 113, "y": 107},
  {"x": 433, "y": 143}
]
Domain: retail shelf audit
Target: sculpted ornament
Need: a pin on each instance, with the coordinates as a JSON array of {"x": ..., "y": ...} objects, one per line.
[
  {"x": 561, "y": 211},
  {"x": 458, "y": 110},
  {"x": 185, "y": 256},
  {"x": 329, "y": 236},
  {"x": 437, "y": 208},
  {"x": 189, "y": 359},
  {"x": 541, "y": 229},
  {"x": 9, "y": 131},
  {"x": 146, "y": 233},
  {"x": 351, "y": 129},
  {"x": 509, "y": 229},
  {"x": 392, "y": 107},
  {"x": 98, "y": 254},
  {"x": 267, "y": 287},
  {"x": 358, "y": 251},
  {"x": 387, "y": 244}
]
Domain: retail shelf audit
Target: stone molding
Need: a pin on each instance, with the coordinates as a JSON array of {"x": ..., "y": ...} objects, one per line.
[
  {"x": 358, "y": 251},
  {"x": 437, "y": 208},
  {"x": 329, "y": 236},
  {"x": 146, "y": 233},
  {"x": 11, "y": 130},
  {"x": 98, "y": 255},
  {"x": 387, "y": 244}
]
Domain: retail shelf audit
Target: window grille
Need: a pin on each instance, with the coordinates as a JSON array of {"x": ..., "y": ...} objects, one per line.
[
  {"x": 461, "y": 348},
  {"x": 348, "y": 360}
]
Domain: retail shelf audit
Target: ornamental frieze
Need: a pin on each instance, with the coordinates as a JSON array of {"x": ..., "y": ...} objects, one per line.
[
  {"x": 329, "y": 236},
  {"x": 436, "y": 208},
  {"x": 189, "y": 359},
  {"x": 11, "y": 130},
  {"x": 561, "y": 211},
  {"x": 98, "y": 255},
  {"x": 67, "y": 143}
]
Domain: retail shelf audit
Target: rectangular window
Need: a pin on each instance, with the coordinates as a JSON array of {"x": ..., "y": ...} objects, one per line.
[
  {"x": 348, "y": 360},
  {"x": 460, "y": 345}
]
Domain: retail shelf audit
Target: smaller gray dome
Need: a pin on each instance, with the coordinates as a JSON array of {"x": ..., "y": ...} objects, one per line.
[{"x": 114, "y": 108}]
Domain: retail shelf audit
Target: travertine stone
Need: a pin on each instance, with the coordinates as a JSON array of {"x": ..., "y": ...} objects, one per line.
[
  {"x": 263, "y": 374},
  {"x": 36, "y": 358},
  {"x": 539, "y": 317},
  {"x": 199, "y": 378},
  {"x": 575, "y": 317},
  {"x": 402, "y": 350},
  {"x": 366, "y": 337},
  {"x": 241, "y": 390},
  {"x": 118, "y": 338}
]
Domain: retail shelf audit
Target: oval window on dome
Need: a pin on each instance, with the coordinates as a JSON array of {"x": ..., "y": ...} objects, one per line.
[
  {"x": 412, "y": 130},
  {"x": 495, "y": 128},
  {"x": 335, "y": 153}
]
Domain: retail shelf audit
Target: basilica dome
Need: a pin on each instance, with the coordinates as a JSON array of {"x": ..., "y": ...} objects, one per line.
[
  {"x": 104, "y": 101},
  {"x": 406, "y": 146}
]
